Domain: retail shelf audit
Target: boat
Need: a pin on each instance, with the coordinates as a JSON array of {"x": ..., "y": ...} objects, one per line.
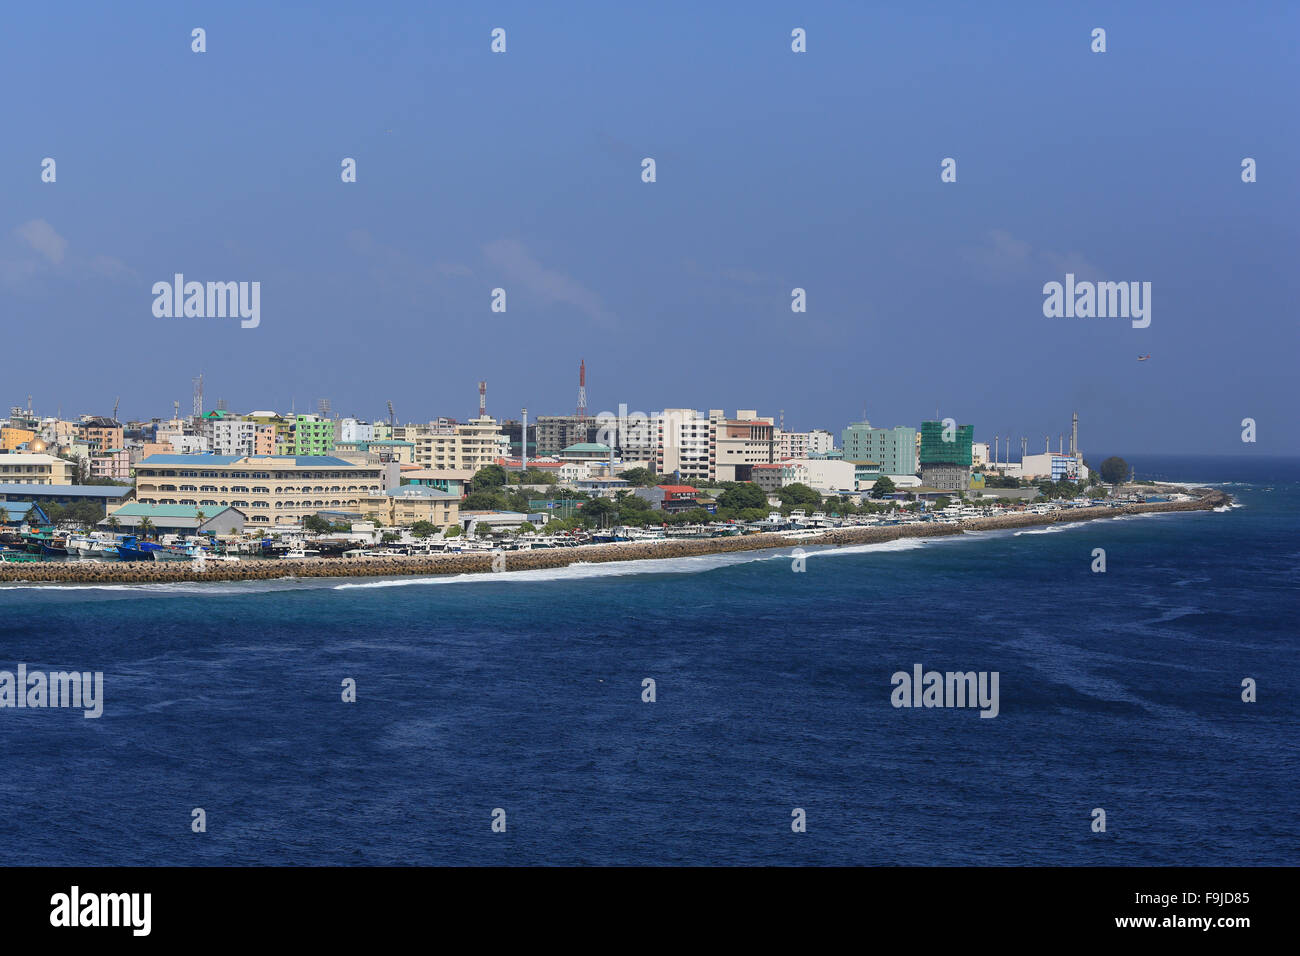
[
  {"x": 127, "y": 549},
  {"x": 302, "y": 553},
  {"x": 81, "y": 544},
  {"x": 172, "y": 554},
  {"x": 19, "y": 557}
]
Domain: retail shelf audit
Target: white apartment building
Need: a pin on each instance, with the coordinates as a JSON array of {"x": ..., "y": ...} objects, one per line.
[
  {"x": 803, "y": 444},
  {"x": 712, "y": 448},
  {"x": 230, "y": 436},
  {"x": 353, "y": 429}
]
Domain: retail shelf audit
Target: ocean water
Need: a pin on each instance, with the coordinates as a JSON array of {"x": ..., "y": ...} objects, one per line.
[{"x": 522, "y": 691}]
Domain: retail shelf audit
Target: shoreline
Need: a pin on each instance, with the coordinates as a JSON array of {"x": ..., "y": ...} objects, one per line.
[{"x": 424, "y": 565}]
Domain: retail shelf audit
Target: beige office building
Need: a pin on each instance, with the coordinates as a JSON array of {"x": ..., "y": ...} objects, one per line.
[
  {"x": 35, "y": 470},
  {"x": 473, "y": 445},
  {"x": 269, "y": 489},
  {"x": 404, "y": 506}
]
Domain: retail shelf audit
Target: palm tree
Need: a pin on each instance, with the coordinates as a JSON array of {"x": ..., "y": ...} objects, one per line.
[
  {"x": 144, "y": 527},
  {"x": 199, "y": 518},
  {"x": 113, "y": 522},
  {"x": 4, "y": 516}
]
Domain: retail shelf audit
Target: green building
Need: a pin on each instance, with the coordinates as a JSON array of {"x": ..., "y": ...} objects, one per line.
[
  {"x": 893, "y": 449},
  {"x": 946, "y": 456},
  {"x": 308, "y": 435},
  {"x": 953, "y": 449}
]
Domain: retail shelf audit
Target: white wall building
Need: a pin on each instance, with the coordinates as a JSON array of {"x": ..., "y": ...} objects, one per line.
[
  {"x": 352, "y": 429},
  {"x": 803, "y": 444}
]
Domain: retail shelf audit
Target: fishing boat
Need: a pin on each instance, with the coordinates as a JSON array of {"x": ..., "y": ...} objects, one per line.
[
  {"x": 81, "y": 544},
  {"x": 128, "y": 549},
  {"x": 19, "y": 557},
  {"x": 172, "y": 554}
]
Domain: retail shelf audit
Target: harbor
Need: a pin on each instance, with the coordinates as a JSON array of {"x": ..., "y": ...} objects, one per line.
[{"x": 496, "y": 560}]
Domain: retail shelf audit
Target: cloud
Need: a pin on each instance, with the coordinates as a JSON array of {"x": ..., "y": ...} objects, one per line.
[
  {"x": 111, "y": 267},
  {"x": 1002, "y": 256},
  {"x": 392, "y": 262},
  {"x": 35, "y": 250},
  {"x": 40, "y": 236},
  {"x": 518, "y": 265}
]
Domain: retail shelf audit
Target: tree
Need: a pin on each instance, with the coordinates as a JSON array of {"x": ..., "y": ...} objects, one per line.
[
  {"x": 884, "y": 486},
  {"x": 536, "y": 476},
  {"x": 527, "y": 528},
  {"x": 1114, "y": 470},
  {"x": 488, "y": 478},
  {"x": 737, "y": 496},
  {"x": 942, "y": 502},
  {"x": 4, "y": 516},
  {"x": 452, "y": 532},
  {"x": 640, "y": 477},
  {"x": 316, "y": 524},
  {"x": 598, "y": 509},
  {"x": 424, "y": 529},
  {"x": 113, "y": 522},
  {"x": 798, "y": 495},
  {"x": 485, "y": 501},
  {"x": 144, "y": 527}
]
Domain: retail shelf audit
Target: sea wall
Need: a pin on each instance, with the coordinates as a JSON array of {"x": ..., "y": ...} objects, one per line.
[{"x": 83, "y": 572}]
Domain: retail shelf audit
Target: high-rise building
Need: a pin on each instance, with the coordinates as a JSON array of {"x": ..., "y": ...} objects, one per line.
[
  {"x": 946, "y": 455},
  {"x": 712, "y": 448},
  {"x": 803, "y": 444},
  {"x": 893, "y": 449}
]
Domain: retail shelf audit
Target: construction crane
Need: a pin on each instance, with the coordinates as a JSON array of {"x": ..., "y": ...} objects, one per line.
[
  {"x": 117, "y": 401},
  {"x": 392, "y": 420}
]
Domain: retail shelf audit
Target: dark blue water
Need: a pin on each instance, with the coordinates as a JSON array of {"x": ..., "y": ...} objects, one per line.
[{"x": 1118, "y": 690}]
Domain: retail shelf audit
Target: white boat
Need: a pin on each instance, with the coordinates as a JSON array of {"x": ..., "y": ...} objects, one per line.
[
  {"x": 302, "y": 553},
  {"x": 81, "y": 544}
]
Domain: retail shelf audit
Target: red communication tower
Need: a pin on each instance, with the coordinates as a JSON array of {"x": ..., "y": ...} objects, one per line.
[{"x": 582, "y": 391}]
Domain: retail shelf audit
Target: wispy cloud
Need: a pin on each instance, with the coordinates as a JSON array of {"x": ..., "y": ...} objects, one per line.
[
  {"x": 35, "y": 248},
  {"x": 516, "y": 264},
  {"x": 1001, "y": 256},
  {"x": 393, "y": 262},
  {"x": 40, "y": 236}
]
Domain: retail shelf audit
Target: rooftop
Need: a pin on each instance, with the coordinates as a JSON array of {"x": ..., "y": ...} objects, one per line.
[
  {"x": 420, "y": 491},
  {"x": 587, "y": 447},
  {"x": 198, "y": 461},
  {"x": 136, "y": 509},
  {"x": 71, "y": 491}
]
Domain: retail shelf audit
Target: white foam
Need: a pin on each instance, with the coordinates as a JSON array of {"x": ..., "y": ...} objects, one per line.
[{"x": 1052, "y": 528}]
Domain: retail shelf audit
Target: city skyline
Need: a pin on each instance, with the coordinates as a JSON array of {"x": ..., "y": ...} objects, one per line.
[{"x": 776, "y": 171}]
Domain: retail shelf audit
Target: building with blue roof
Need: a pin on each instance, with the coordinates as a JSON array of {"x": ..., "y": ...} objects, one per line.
[{"x": 270, "y": 489}]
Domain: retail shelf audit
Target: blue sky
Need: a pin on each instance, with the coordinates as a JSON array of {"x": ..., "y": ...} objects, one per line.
[{"x": 775, "y": 170}]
